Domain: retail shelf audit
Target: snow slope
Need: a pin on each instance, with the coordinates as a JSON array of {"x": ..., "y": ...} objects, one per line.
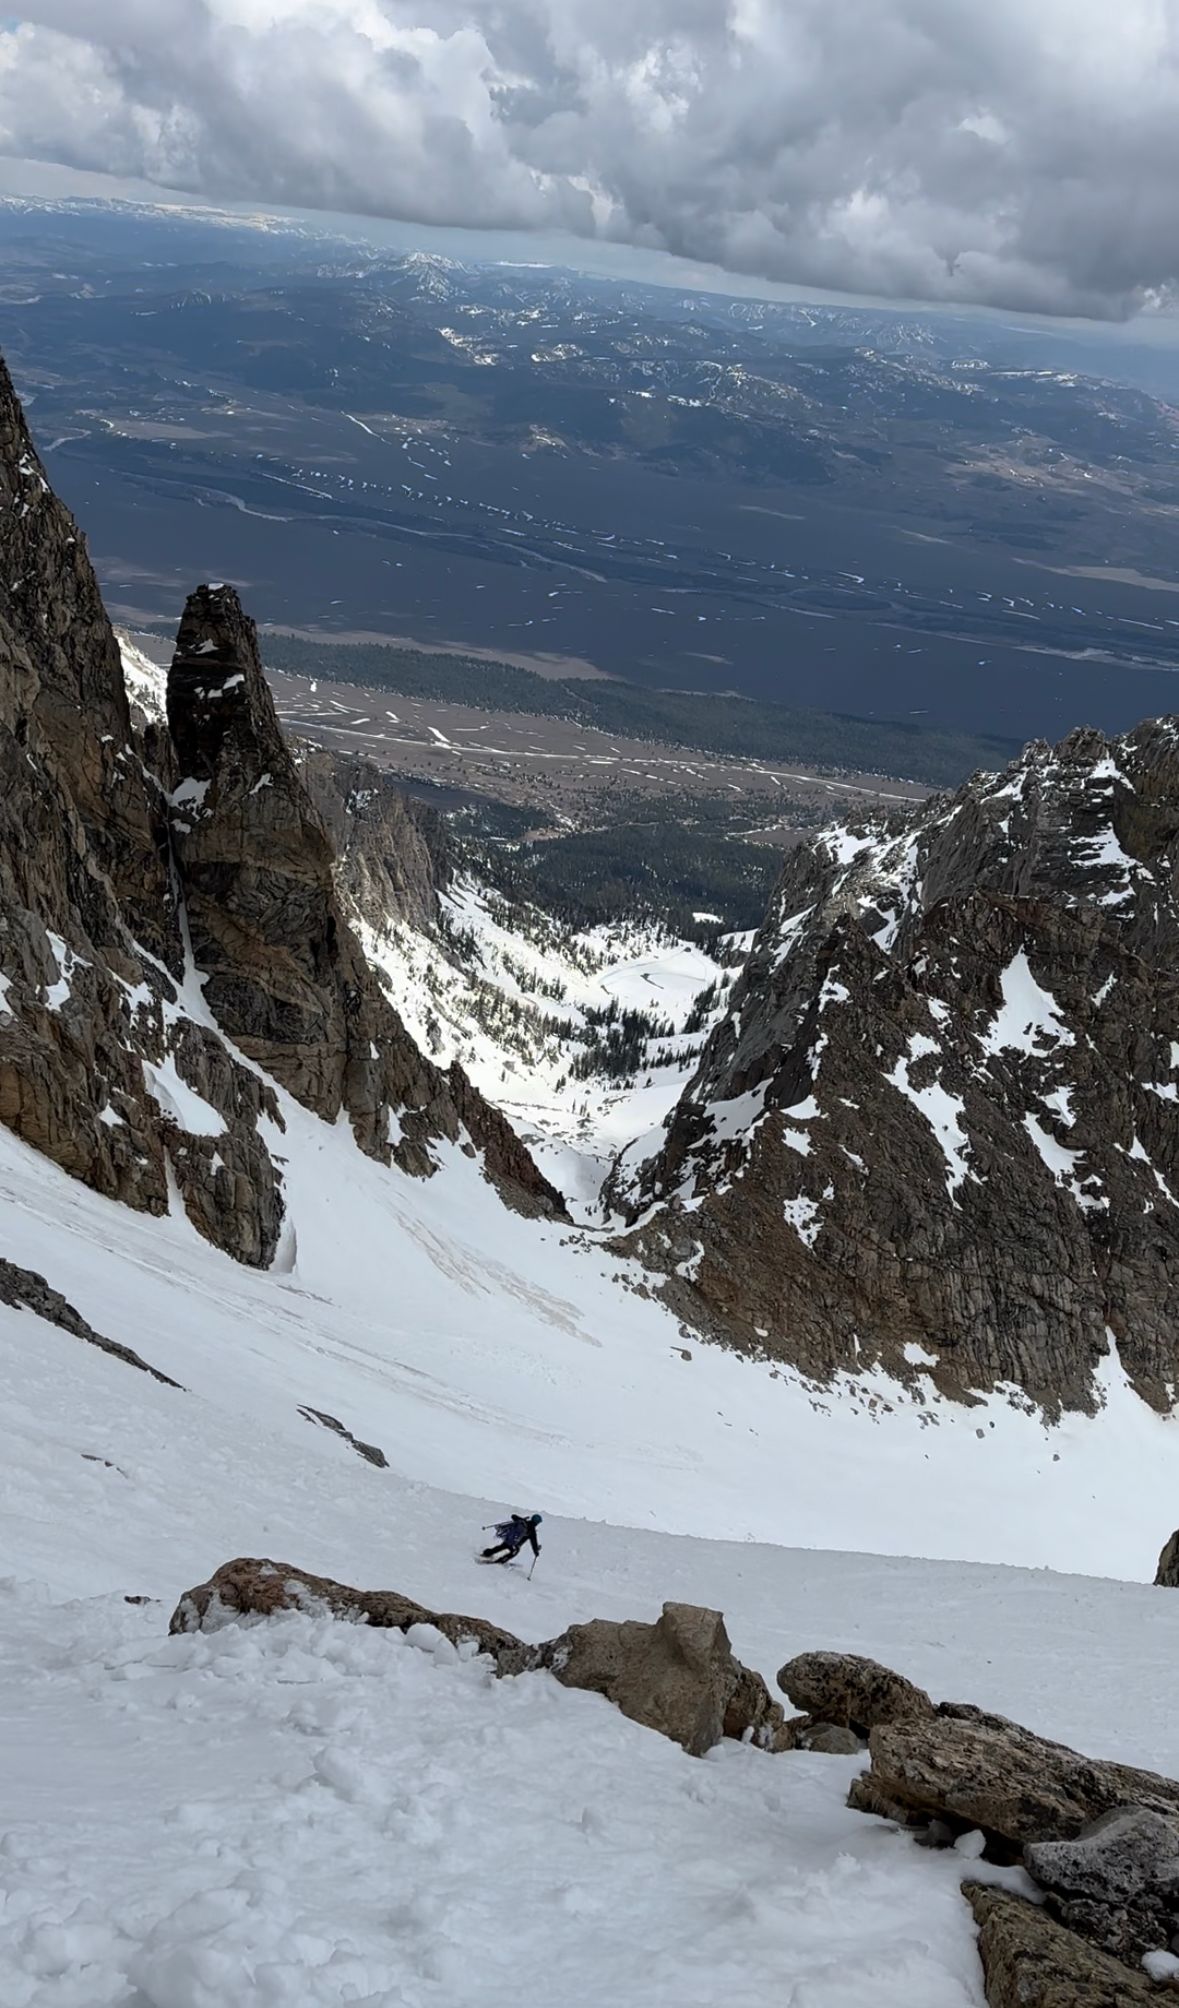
[
  {"x": 305, "y": 1814},
  {"x": 308, "y": 1813},
  {"x": 490, "y": 1355},
  {"x": 146, "y": 681}
]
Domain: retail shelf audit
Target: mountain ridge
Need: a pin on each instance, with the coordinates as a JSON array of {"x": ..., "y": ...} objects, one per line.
[{"x": 934, "y": 1129}]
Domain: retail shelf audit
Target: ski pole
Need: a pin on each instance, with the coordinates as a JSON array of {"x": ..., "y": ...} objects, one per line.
[{"x": 535, "y": 1560}]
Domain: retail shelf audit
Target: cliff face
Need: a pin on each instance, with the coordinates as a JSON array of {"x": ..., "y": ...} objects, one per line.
[
  {"x": 391, "y": 852},
  {"x": 283, "y": 973},
  {"x": 937, "y": 1128},
  {"x": 116, "y": 852},
  {"x": 89, "y": 939}
]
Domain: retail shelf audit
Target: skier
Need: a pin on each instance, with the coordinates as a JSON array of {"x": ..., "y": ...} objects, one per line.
[{"x": 510, "y": 1536}]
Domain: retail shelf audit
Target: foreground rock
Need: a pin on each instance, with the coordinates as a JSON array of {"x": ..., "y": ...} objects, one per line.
[
  {"x": 1030, "y": 1961},
  {"x": 1167, "y": 1573},
  {"x": 260, "y": 1588},
  {"x": 826, "y": 1739},
  {"x": 849, "y": 1692},
  {"x": 677, "y": 1676},
  {"x": 1117, "y": 1883},
  {"x": 976, "y": 1770}
]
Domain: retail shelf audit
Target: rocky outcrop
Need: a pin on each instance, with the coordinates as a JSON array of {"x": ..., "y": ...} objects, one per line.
[
  {"x": 1029, "y": 1961},
  {"x": 1167, "y": 1574},
  {"x": 63, "y": 699},
  {"x": 843, "y": 1689},
  {"x": 90, "y": 942},
  {"x": 371, "y": 1452},
  {"x": 974, "y": 1770},
  {"x": 83, "y": 856},
  {"x": 25, "y": 1290},
  {"x": 96, "y": 1049},
  {"x": 677, "y": 1676},
  {"x": 251, "y": 1587},
  {"x": 283, "y": 973},
  {"x": 935, "y": 1132},
  {"x": 230, "y": 1184},
  {"x": 1117, "y": 1883},
  {"x": 1101, "y": 1840}
]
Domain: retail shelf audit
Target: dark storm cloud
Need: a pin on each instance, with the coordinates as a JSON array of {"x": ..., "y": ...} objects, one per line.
[{"x": 1013, "y": 152}]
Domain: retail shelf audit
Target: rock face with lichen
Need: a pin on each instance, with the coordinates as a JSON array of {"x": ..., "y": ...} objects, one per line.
[
  {"x": 976, "y": 1770},
  {"x": 935, "y": 1132},
  {"x": 851, "y": 1692},
  {"x": 125, "y": 839},
  {"x": 1116, "y": 1882}
]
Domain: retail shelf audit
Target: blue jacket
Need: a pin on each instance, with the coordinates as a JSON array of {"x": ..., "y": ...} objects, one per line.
[{"x": 514, "y": 1532}]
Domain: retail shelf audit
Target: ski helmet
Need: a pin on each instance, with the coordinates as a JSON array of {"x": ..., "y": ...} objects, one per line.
[{"x": 535, "y": 1518}]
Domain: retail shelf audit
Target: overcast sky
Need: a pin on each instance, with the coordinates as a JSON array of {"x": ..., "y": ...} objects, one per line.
[{"x": 1016, "y": 153}]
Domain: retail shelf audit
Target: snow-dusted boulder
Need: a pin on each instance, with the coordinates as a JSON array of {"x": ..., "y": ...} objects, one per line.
[
  {"x": 1167, "y": 1573},
  {"x": 677, "y": 1676},
  {"x": 844, "y": 1689}
]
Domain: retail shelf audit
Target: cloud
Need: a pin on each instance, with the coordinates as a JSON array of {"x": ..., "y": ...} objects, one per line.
[{"x": 1021, "y": 153}]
